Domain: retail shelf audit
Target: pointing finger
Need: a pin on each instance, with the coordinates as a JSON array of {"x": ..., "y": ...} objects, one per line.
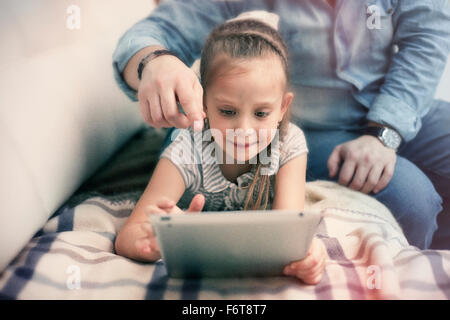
[{"x": 189, "y": 102}]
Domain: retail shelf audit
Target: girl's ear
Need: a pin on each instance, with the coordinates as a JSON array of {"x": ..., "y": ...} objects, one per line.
[
  {"x": 204, "y": 103},
  {"x": 287, "y": 100},
  {"x": 204, "y": 110}
]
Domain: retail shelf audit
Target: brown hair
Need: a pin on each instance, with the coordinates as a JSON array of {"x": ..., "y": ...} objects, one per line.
[{"x": 246, "y": 39}]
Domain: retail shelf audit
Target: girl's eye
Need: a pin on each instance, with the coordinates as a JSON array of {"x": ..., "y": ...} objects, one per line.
[
  {"x": 227, "y": 112},
  {"x": 261, "y": 114}
]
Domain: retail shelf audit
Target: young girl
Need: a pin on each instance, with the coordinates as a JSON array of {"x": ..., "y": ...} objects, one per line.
[{"x": 249, "y": 156}]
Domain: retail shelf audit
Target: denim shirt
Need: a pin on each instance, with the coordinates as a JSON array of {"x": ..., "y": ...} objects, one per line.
[{"x": 379, "y": 59}]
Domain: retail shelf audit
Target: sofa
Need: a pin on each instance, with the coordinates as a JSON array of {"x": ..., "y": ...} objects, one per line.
[{"x": 62, "y": 114}]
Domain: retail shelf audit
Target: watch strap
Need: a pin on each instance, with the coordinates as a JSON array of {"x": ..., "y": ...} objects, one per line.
[
  {"x": 373, "y": 131},
  {"x": 378, "y": 132}
]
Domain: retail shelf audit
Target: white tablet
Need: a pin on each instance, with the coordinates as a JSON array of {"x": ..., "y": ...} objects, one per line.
[{"x": 233, "y": 243}]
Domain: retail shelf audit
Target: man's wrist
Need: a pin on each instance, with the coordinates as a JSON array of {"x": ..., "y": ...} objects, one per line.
[
  {"x": 388, "y": 136},
  {"x": 129, "y": 73},
  {"x": 376, "y": 124},
  {"x": 151, "y": 56}
]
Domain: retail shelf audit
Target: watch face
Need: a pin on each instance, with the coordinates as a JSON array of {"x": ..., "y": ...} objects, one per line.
[{"x": 391, "y": 138}]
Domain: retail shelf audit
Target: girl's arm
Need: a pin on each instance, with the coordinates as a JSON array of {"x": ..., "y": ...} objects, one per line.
[
  {"x": 166, "y": 182},
  {"x": 290, "y": 185}
]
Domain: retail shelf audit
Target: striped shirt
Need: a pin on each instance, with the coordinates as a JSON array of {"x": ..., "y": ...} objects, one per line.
[{"x": 192, "y": 153}]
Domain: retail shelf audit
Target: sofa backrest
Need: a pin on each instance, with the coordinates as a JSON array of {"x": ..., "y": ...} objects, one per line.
[{"x": 61, "y": 113}]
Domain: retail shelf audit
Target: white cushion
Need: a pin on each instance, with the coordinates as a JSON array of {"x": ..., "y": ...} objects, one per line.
[
  {"x": 61, "y": 113},
  {"x": 443, "y": 90}
]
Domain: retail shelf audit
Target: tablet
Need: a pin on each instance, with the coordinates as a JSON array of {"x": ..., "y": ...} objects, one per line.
[{"x": 233, "y": 243}]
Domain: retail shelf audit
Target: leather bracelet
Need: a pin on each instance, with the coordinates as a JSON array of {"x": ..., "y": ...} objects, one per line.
[{"x": 151, "y": 56}]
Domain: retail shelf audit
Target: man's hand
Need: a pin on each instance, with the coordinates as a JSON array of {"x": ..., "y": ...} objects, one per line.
[
  {"x": 166, "y": 80},
  {"x": 367, "y": 166}
]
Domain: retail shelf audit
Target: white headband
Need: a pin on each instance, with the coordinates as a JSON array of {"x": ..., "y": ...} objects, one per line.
[{"x": 264, "y": 16}]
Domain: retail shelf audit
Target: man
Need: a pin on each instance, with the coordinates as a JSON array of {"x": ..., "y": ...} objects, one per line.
[{"x": 364, "y": 73}]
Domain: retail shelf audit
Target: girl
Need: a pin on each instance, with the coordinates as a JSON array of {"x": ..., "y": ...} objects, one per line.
[{"x": 249, "y": 156}]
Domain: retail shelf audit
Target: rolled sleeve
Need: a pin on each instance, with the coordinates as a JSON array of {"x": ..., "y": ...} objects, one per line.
[
  {"x": 423, "y": 38},
  {"x": 390, "y": 111}
]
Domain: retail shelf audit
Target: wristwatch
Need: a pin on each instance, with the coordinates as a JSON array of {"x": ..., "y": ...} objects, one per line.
[{"x": 388, "y": 136}]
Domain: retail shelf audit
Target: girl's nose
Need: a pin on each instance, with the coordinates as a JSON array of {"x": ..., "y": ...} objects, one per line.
[
  {"x": 244, "y": 126},
  {"x": 247, "y": 134}
]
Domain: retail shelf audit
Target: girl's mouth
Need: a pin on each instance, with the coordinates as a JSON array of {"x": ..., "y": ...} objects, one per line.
[{"x": 243, "y": 145}]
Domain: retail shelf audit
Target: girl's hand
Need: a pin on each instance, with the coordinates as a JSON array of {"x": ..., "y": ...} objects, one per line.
[
  {"x": 310, "y": 269},
  {"x": 147, "y": 246},
  {"x": 169, "y": 206}
]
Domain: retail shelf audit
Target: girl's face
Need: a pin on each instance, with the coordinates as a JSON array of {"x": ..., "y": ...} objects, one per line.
[{"x": 245, "y": 101}]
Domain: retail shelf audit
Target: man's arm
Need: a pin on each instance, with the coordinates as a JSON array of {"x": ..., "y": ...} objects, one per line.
[
  {"x": 422, "y": 33},
  {"x": 177, "y": 25},
  {"x": 130, "y": 74}
]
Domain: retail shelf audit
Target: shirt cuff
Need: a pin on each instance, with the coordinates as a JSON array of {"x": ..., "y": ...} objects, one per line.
[{"x": 390, "y": 111}]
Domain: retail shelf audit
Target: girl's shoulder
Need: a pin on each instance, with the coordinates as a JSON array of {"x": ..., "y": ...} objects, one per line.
[
  {"x": 184, "y": 145},
  {"x": 292, "y": 144},
  {"x": 184, "y": 153},
  {"x": 293, "y": 136}
]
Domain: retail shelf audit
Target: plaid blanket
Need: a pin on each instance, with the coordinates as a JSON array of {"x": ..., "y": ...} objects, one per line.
[{"x": 73, "y": 256}]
